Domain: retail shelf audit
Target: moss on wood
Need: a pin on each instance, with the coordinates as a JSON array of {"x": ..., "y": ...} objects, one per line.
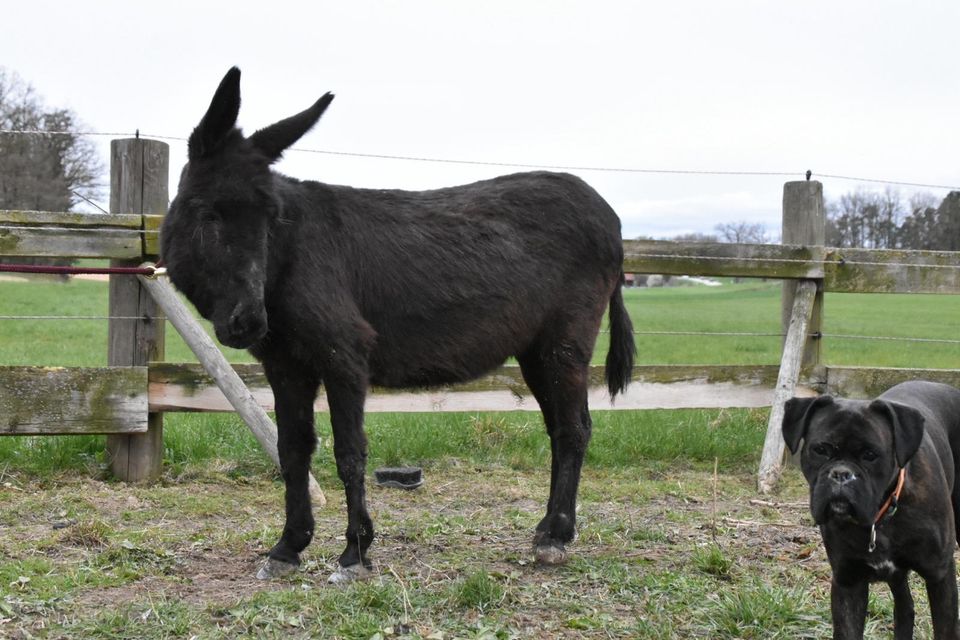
[{"x": 58, "y": 400}]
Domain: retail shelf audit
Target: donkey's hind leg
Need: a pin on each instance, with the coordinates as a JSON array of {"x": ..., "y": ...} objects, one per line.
[{"x": 558, "y": 379}]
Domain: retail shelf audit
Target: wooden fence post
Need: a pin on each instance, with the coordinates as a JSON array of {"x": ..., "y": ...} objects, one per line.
[
  {"x": 139, "y": 171},
  {"x": 801, "y": 316},
  {"x": 804, "y": 224}
]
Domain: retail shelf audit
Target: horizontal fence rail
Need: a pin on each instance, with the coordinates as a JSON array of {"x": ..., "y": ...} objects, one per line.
[
  {"x": 71, "y": 235},
  {"x": 127, "y": 402},
  {"x": 116, "y": 399},
  {"x": 129, "y": 236},
  {"x": 842, "y": 270},
  {"x": 58, "y": 400},
  {"x": 185, "y": 387}
]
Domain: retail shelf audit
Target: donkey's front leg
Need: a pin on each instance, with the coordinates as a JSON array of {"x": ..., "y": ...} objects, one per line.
[
  {"x": 350, "y": 451},
  {"x": 294, "y": 393}
]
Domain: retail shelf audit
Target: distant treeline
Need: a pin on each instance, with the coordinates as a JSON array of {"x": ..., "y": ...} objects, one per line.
[
  {"x": 869, "y": 220},
  {"x": 885, "y": 221}
]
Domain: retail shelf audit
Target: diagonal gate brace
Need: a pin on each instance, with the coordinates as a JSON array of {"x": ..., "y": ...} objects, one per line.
[
  {"x": 772, "y": 459},
  {"x": 220, "y": 370}
]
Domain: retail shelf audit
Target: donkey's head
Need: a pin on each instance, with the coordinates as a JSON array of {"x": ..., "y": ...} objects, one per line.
[{"x": 215, "y": 237}]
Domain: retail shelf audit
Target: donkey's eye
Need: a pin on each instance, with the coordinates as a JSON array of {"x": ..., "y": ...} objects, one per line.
[
  {"x": 211, "y": 216},
  {"x": 229, "y": 208}
]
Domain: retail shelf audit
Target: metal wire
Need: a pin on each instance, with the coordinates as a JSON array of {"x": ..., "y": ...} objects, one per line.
[
  {"x": 897, "y": 183},
  {"x": 557, "y": 167},
  {"x": 148, "y": 318},
  {"x": 677, "y": 256},
  {"x": 840, "y": 262},
  {"x": 840, "y": 336},
  {"x": 843, "y": 336},
  {"x": 752, "y": 334},
  {"x": 732, "y": 334},
  {"x": 703, "y": 334},
  {"x": 521, "y": 165},
  {"x": 103, "y": 229},
  {"x": 660, "y": 256},
  {"x": 44, "y": 132},
  {"x": 843, "y": 262}
]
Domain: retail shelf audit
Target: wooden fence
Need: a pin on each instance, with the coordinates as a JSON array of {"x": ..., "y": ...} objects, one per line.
[{"x": 127, "y": 399}]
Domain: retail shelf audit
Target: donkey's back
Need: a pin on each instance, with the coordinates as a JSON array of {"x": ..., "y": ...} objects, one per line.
[{"x": 453, "y": 281}]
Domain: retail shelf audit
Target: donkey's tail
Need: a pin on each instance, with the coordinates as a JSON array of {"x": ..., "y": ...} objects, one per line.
[{"x": 622, "y": 348}]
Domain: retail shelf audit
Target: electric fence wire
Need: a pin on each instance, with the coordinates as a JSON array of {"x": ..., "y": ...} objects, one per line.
[
  {"x": 519, "y": 165},
  {"x": 377, "y": 156},
  {"x": 702, "y": 334}
]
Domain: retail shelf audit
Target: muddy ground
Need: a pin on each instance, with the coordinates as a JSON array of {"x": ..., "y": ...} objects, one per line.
[{"x": 666, "y": 554}]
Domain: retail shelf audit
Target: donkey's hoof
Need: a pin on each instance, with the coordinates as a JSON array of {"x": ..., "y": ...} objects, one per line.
[
  {"x": 346, "y": 575},
  {"x": 549, "y": 554},
  {"x": 273, "y": 569}
]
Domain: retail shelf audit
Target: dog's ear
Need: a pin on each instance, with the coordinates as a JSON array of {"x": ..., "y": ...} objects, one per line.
[
  {"x": 907, "y": 424},
  {"x": 797, "y": 413}
]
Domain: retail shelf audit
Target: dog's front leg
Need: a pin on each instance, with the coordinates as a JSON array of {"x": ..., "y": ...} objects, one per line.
[
  {"x": 903, "y": 610},
  {"x": 943, "y": 606},
  {"x": 848, "y": 605}
]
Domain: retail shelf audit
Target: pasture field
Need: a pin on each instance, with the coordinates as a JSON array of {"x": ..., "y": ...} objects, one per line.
[
  {"x": 748, "y": 307},
  {"x": 673, "y": 541}
]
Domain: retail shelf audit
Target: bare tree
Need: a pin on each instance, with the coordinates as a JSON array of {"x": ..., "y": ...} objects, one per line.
[
  {"x": 42, "y": 171},
  {"x": 882, "y": 220},
  {"x": 51, "y": 171},
  {"x": 919, "y": 229},
  {"x": 847, "y": 219},
  {"x": 865, "y": 219},
  {"x": 948, "y": 221},
  {"x": 890, "y": 215},
  {"x": 742, "y": 232},
  {"x": 695, "y": 237}
]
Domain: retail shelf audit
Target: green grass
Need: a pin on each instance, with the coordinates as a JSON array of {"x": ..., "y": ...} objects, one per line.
[
  {"x": 747, "y": 307},
  {"x": 516, "y": 440},
  {"x": 513, "y": 439},
  {"x": 902, "y": 316},
  {"x": 663, "y": 551},
  {"x": 69, "y": 343},
  {"x": 480, "y": 591},
  {"x": 174, "y": 560},
  {"x": 754, "y": 307}
]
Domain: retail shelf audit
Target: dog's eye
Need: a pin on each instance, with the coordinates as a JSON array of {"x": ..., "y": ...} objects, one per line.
[
  {"x": 868, "y": 455},
  {"x": 822, "y": 449}
]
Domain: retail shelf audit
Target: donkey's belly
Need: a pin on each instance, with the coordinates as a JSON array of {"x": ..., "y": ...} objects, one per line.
[
  {"x": 456, "y": 341},
  {"x": 417, "y": 372},
  {"x": 435, "y": 361}
]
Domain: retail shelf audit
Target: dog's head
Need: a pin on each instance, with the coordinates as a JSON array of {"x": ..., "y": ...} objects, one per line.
[{"x": 852, "y": 451}]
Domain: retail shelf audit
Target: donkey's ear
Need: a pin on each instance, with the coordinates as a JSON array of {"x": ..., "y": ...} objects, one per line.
[
  {"x": 276, "y": 138},
  {"x": 797, "y": 413},
  {"x": 220, "y": 118},
  {"x": 907, "y": 424}
]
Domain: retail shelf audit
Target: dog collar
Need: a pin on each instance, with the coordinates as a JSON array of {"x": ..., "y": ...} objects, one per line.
[{"x": 888, "y": 508}]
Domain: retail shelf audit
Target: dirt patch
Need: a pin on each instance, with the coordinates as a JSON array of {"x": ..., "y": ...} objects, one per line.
[
  {"x": 208, "y": 579},
  {"x": 198, "y": 544}
]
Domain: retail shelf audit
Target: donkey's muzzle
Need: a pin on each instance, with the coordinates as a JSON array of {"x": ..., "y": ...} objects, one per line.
[{"x": 246, "y": 326}]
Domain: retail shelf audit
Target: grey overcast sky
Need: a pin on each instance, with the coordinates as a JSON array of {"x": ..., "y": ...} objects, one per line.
[{"x": 866, "y": 88}]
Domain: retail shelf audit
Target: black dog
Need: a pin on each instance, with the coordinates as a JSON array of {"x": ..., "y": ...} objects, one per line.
[{"x": 882, "y": 490}]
